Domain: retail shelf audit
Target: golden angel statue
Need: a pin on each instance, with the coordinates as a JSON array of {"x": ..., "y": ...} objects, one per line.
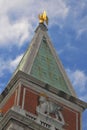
[{"x": 43, "y": 18}]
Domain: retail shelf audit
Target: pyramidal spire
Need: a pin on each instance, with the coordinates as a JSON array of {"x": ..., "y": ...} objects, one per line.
[{"x": 41, "y": 61}]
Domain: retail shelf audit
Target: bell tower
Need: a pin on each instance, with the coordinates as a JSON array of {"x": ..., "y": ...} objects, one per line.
[{"x": 39, "y": 95}]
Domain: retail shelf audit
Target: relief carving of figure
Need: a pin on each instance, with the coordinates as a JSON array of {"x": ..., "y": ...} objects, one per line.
[{"x": 48, "y": 107}]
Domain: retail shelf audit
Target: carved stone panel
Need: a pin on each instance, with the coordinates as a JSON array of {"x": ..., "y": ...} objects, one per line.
[{"x": 47, "y": 108}]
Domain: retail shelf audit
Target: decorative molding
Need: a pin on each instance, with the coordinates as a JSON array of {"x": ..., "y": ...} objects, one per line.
[
  {"x": 39, "y": 86},
  {"x": 16, "y": 94},
  {"x": 22, "y": 118},
  {"x": 19, "y": 91},
  {"x": 52, "y": 96},
  {"x": 23, "y": 100}
]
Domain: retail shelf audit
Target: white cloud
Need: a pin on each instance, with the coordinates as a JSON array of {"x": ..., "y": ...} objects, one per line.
[
  {"x": 77, "y": 16},
  {"x": 15, "y": 33},
  {"x": 3, "y": 66},
  {"x": 84, "y": 97},
  {"x": 17, "y": 18},
  {"x": 81, "y": 31},
  {"x": 70, "y": 47},
  {"x": 13, "y": 63},
  {"x": 9, "y": 64},
  {"x": 79, "y": 81},
  {"x": 78, "y": 78}
]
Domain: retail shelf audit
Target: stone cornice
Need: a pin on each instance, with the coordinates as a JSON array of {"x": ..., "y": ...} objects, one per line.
[
  {"x": 18, "y": 117},
  {"x": 21, "y": 75}
]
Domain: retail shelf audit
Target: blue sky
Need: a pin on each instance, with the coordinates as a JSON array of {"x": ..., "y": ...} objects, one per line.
[{"x": 67, "y": 29}]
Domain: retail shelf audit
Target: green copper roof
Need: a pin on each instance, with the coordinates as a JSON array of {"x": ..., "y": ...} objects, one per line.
[
  {"x": 46, "y": 69},
  {"x": 23, "y": 60},
  {"x": 40, "y": 61}
]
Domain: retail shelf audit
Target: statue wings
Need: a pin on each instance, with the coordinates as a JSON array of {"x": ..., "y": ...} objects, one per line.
[{"x": 43, "y": 17}]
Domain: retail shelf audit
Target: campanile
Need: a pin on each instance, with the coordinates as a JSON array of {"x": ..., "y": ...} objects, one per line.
[{"x": 39, "y": 95}]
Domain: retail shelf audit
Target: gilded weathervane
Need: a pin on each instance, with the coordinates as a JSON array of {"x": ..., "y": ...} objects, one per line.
[{"x": 43, "y": 18}]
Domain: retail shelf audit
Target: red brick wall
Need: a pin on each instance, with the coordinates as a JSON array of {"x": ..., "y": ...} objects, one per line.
[
  {"x": 31, "y": 101},
  {"x": 16, "y": 96},
  {"x": 9, "y": 103},
  {"x": 70, "y": 117}
]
